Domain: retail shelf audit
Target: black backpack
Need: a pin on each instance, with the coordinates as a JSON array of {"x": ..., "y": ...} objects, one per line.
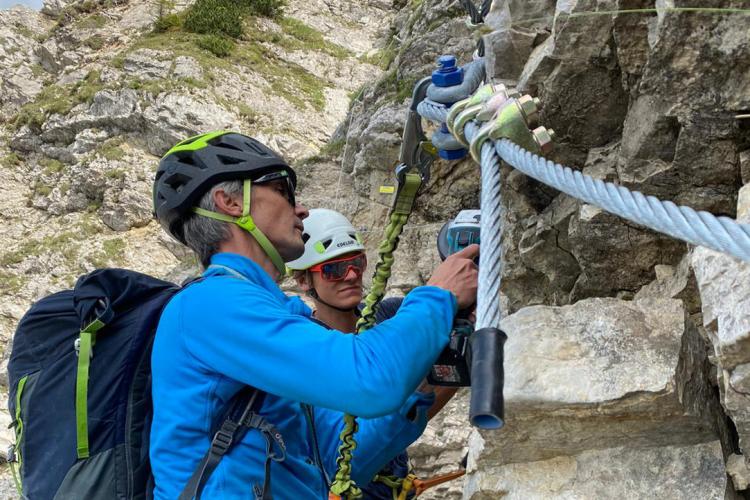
[{"x": 80, "y": 393}]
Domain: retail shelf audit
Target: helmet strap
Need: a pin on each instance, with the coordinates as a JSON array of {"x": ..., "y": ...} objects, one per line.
[{"x": 246, "y": 222}]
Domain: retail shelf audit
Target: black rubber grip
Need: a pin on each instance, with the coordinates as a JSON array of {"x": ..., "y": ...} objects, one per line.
[{"x": 487, "y": 377}]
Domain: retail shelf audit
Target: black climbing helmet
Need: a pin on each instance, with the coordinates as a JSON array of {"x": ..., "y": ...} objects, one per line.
[{"x": 193, "y": 166}]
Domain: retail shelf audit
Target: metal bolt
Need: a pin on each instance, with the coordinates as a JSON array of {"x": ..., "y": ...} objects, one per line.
[
  {"x": 446, "y": 62},
  {"x": 544, "y": 138},
  {"x": 530, "y": 107}
]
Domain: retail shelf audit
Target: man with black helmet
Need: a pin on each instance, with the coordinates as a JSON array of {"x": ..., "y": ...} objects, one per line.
[{"x": 231, "y": 199}]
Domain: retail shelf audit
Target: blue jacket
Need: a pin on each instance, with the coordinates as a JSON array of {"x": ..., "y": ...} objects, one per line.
[{"x": 237, "y": 328}]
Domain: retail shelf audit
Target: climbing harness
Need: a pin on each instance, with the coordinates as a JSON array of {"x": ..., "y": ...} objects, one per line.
[{"x": 411, "y": 484}]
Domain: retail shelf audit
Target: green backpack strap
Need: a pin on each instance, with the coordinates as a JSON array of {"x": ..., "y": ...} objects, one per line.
[{"x": 84, "y": 347}]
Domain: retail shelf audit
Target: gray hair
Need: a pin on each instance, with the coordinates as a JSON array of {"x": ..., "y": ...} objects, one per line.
[{"x": 203, "y": 234}]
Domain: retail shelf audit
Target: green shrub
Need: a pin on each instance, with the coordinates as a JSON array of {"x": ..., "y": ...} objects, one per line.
[
  {"x": 84, "y": 90},
  {"x": 51, "y": 165},
  {"x": 169, "y": 22},
  {"x": 11, "y": 160},
  {"x": 266, "y": 8},
  {"x": 215, "y": 17},
  {"x": 94, "y": 21},
  {"x": 95, "y": 42},
  {"x": 302, "y": 36},
  {"x": 218, "y": 45}
]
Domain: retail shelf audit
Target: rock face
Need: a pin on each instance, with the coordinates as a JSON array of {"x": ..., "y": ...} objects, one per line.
[
  {"x": 601, "y": 379},
  {"x": 683, "y": 472},
  {"x": 619, "y": 338},
  {"x": 724, "y": 294},
  {"x": 607, "y": 84}
]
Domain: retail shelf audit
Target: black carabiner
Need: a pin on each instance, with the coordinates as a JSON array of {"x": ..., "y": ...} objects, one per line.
[{"x": 416, "y": 150}]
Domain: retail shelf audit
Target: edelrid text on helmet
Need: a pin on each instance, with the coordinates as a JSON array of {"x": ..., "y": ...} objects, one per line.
[{"x": 328, "y": 234}]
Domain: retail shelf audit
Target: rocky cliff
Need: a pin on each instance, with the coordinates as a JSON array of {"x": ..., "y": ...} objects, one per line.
[{"x": 627, "y": 356}]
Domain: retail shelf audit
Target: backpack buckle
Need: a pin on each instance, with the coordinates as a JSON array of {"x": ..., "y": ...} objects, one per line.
[
  {"x": 77, "y": 347},
  {"x": 10, "y": 454},
  {"x": 222, "y": 440}
]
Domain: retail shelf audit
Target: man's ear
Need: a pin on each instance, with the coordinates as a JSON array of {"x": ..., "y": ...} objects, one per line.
[{"x": 228, "y": 204}]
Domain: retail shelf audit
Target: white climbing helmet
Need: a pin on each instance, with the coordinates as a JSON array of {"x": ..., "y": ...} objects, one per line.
[{"x": 327, "y": 235}]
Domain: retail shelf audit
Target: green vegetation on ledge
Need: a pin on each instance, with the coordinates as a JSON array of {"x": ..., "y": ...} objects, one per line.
[
  {"x": 56, "y": 99},
  {"x": 300, "y": 36},
  {"x": 287, "y": 79}
]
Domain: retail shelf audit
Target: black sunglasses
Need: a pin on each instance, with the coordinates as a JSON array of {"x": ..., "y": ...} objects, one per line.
[{"x": 280, "y": 175}]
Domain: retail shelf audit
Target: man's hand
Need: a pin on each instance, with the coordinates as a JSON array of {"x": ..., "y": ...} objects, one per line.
[{"x": 458, "y": 274}]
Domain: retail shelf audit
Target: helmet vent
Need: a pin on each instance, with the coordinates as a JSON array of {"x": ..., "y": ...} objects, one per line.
[
  {"x": 187, "y": 159},
  {"x": 229, "y": 160},
  {"x": 256, "y": 148},
  {"x": 176, "y": 181},
  {"x": 305, "y": 237},
  {"x": 327, "y": 243},
  {"x": 226, "y": 145}
]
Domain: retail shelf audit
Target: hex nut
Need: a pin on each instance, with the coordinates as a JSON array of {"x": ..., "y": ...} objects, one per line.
[
  {"x": 530, "y": 109},
  {"x": 544, "y": 139}
]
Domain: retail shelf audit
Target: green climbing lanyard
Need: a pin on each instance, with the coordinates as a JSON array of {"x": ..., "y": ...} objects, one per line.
[{"x": 343, "y": 486}]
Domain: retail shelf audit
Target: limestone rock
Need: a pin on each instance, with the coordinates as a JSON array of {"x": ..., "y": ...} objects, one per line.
[
  {"x": 7, "y": 436},
  {"x": 139, "y": 16},
  {"x": 148, "y": 64},
  {"x": 631, "y": 36},
  {"x": 87, "y": 140},
  {"x": 671, "y": 472},
  {"x": 745, "y": 166},
  {"x": 54, "y": 8},
  {"x": 50, "y": 56},
  {"x": 545, "y": 248},
  {"x": 513, "y": 48},
  {"x": 502, "y": 14},
  {"x": 676, "y": 282},
  {"x": 20, "y": 80},
  {"x": 538, "y": 67},
  {"x": 738, "y": 471},
  {"x": 356, "y": 25},
  {"x": 442, "y": 447},
  {"x": 555, "y": 70},
  {"x": 131, "y": 207},
  {"x": 173, "y": 117},
  {"x": 383, "y": 137},
  {"x": 615, "y": 256},
  {"x": 601, "y": 163},
  {"x": 659, "y": 155},
  {"x": 722, "y": 52},
  {"x": 723, "y": 283},
  {"x": 644, "y": 382},
  {"x": 115, "y": 110},
  {"x": 187, "y": 67}
]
